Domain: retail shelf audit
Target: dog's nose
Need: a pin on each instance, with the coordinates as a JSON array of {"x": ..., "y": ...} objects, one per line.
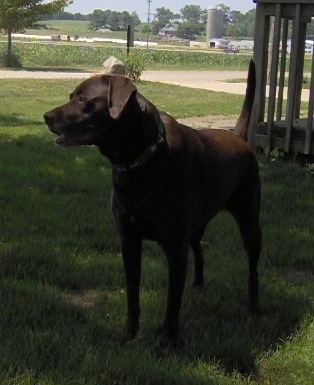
[{"x": 49, "y": 118}]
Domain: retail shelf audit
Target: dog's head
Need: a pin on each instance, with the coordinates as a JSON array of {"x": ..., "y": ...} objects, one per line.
[{"x": 97, "y": 102}]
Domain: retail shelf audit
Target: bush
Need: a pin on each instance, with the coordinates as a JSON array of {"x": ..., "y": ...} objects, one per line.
[
  {"x": 134, "y": 67},
  {"x": 12, "y": 61}
]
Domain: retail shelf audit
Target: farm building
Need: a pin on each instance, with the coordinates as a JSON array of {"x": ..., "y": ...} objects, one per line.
[
  {"x": 218, "y": 43},
  {"x": 214, "y": 22},
  {"x": 169, "y": 29},
  {"x": 308, "y": 48}
]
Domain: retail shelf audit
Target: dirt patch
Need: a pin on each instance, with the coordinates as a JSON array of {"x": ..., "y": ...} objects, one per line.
[
  {"x": 211, "y": 121},
  {"x": 82, "y": 298}
]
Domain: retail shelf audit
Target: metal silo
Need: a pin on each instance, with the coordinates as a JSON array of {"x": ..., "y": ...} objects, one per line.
[{"x": 214, "y": 22}]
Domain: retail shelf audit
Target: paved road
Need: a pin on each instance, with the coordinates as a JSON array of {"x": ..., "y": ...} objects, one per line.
[{"x": 209, "y": 80}]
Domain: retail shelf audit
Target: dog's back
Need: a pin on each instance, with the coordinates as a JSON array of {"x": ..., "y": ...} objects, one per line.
[{"x": 213, "y": 162}]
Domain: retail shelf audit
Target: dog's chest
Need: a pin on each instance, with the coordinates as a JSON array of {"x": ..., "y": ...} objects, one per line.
[{"x": 149, "y": 214}]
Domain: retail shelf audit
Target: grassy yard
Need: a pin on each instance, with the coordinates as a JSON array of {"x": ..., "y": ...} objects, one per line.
[
  {"x": 62, "y": 298},
  {"x": 79, "y": 28}
]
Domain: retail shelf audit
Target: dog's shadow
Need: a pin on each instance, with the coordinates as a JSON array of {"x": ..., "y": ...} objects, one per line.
[
  {"x": 230, "y": 336},
  {"x": 17, "y": 120}
]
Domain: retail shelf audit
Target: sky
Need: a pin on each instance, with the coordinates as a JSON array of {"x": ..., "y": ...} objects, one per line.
[{"x": 141, "y": 6}]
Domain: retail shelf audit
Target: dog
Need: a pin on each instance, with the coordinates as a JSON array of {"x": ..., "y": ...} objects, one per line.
[{"x": 169, "y": 181}]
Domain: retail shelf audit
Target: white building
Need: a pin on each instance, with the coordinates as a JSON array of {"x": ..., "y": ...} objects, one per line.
[{"x": 309, "y": 46}]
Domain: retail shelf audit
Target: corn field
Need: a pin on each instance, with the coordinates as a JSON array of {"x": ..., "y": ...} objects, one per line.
[
  {"x": 72, "y": 56},
  {"x": 75, "y": 56}
]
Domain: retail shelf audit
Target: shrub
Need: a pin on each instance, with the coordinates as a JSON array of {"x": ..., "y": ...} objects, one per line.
[
  {"x": 12, "y": 61},
  {"x": 134, "y": 67}
]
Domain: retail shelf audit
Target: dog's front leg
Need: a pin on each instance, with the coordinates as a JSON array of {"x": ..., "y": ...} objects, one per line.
[
  {"x": 131, "y": 253},
  {"x": 177, "y": 257}
]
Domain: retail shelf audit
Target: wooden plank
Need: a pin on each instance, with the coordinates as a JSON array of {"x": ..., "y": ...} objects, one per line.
[
  {"x": 291, "y": 97},
  {"x": 273, "y": 73},
  {"x": 300, "y": 69},
  {"x": 283, "y": 1},
  {"x": 310, "y": 127},
  {"x": 288, "y": 9},
  {"x": 282, "y": 72},
  {"x": 296, "y": 145},
  {"x": 261, "y": 60}
]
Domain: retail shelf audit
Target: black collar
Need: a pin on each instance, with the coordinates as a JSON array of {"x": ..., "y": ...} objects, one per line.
[{"x": 147, "y": 153}]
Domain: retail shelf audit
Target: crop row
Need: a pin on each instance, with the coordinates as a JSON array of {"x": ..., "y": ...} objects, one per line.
[
  {"x": 92, "y": 57},
  {"x": 53, "y": 55}
]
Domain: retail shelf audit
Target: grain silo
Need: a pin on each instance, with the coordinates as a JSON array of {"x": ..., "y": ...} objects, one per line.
[{"x": 214, "y": 22}]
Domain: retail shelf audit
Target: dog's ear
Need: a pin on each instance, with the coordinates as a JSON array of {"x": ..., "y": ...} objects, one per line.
[{"x": 120, "y": 90}]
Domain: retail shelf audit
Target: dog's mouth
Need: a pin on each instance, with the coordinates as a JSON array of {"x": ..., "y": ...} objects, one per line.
[
  {"x": 66, "y": 141},
  {"x": 72, "y": 139},
  {"x": 67, "y": 135}
]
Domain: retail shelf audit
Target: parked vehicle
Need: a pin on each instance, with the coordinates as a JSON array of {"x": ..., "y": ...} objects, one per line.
[{"x": 231, "y": 50}]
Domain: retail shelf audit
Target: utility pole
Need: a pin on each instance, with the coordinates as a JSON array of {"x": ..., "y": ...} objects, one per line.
[{"x": 148, "y": 20}]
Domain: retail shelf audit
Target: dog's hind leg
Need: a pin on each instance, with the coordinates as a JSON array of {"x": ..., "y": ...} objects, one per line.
[
  {"x": 252, "y": 240},
  {"x": 246, "y": 213},
  {"x": 195, "y": 243}
]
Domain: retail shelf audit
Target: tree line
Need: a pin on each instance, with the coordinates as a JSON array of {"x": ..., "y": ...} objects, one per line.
[
  {"x": 16, "y": 15},
  {"x": 192, "y": 19}
]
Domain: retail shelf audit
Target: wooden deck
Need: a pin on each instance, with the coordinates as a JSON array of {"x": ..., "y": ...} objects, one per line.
[{"x": 274, "y": 55}]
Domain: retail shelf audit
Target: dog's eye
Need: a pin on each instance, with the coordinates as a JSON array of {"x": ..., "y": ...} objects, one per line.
[{"x": 82, "y": 99}]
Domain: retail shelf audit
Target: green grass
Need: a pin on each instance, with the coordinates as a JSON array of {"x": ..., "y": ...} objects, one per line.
[
  {"x": 62, "y": 299},
  {"x": 64, "y": 27},
  {"x": 80, "y": 28}
]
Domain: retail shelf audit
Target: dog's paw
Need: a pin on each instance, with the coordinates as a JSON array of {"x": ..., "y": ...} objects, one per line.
[
  {"x": 198, "y": 283},
  {"x": 167, "y": 340},
  {"x": 253, "y": 309},
  {"x": 129, "y": 331}
]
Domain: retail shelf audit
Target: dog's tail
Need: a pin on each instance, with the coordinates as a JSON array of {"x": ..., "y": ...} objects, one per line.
[{"x": 243, "y": 122}]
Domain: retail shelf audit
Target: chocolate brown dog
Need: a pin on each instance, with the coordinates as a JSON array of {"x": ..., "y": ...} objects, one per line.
[{"x": 169, "y": 181}]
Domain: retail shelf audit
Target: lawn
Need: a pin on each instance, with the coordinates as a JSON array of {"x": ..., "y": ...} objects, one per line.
[
  {"x": 79, "y": 28},
  {"x": 62, "y": 297}
]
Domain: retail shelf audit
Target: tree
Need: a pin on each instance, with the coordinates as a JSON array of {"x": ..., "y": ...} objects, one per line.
[
  {"x": 136, "y": 21},
  {"x": 163, "y": 16},
  {"x": 15, "y": 15},
  {"x": 188, "y": 30},
  {"x": 226, "y": 18},
  {"x": 98, "y": 19},
  {"x": 113, "y": 19},
  {"x": 240, "y": 24},
  {"x": 249, "y": 22},
  {"x": 191, "y": 13},
  {"x": 310, "y": 29}
]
